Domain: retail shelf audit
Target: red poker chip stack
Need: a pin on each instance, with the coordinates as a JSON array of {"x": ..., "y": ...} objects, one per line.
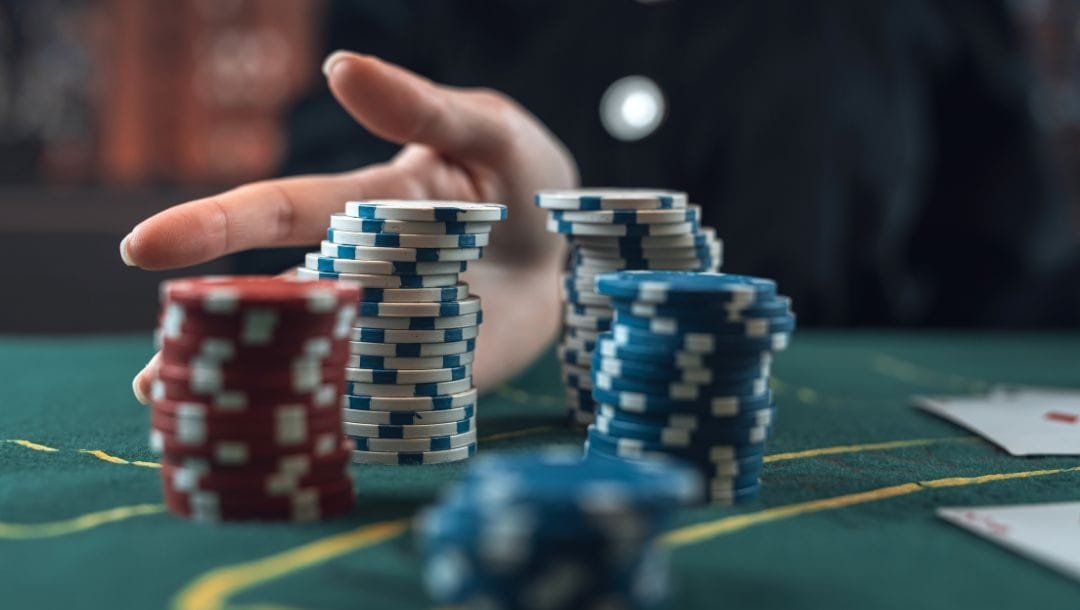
[{"x": 246, "y": 411}]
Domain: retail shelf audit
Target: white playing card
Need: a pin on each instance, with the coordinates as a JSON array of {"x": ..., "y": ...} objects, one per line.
[
  {"x": 1047, "y": 533},
  {"x": 1023, "y": 421}
]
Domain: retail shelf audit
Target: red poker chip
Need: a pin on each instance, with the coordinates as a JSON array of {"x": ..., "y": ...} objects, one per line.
[
  {"x": 186, "y": 349},
  {"x": 261, "y": 332},
  {"x": 308, "y": 504},
  {"x": 257, "y": 484},
  {"x": 222, "y": 294},
  {"x": 207, "y": 380},
  {"x": 281, "y": 430},
  {"x": 248, "y": 399},
  {"x": 261, "y": 416},
  {"x": 238, "y": 451},
  {"x": 294, "y": 464}
]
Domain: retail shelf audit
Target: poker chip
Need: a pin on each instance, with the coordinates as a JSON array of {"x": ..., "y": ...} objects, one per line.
[
  {"x": 469, "y": 305},
  {"x": 382, "y": 281},
  {"x": 317, "y": 262},
  {"x": 427, "y": 211},
  {"x": 409, "y": 390},
  {"x": 684, "y": 373},
  {"x": 466, "y": 398},
  {"x": 407, "y": 418},
  {"x": 548, "y": 530},
  {"x": 366, "y": 225},
  {"x": 434, "y": 362},
  {"x": 411, "y": 350},
  {"x": 407, "y": 240},
  {"x": 448, "y": 294},
  {"x": 411, "y": 430},
  {"x": 444, "y": 335},
  {"x": 416, "y": 255},
  {"x": 592, "y": 199},
  {"x": 691, "y": 213},
  {"x": 420, "y": 322},
  {"x": 621, "y": 230},
  {"x": 414, "y": 458},
  {"x": 407, "y": 376}
]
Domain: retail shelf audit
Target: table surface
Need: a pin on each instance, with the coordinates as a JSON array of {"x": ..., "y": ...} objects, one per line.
[{"x": 846, "y": 519}]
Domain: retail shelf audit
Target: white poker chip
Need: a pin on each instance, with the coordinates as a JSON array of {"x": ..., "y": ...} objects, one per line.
[
  {"x": 383, "y": 335},
  {"x": 315, "y": 260},
  {"x": 446, "y": 294},
  {"x": 414, "y": 457},
  {"x": 418, "y": 255},
  {"x": 398, "y": 404},
  {"x": 381, "y": 281},
  {"x": 610, "y": 199},
  {"x": 408, "y": 376},
  {"x": 407, "y": 390},
  {"x": 407, "y": 418},
  {"x": 410, "y": 430},
  {"x": 417, "y": 310},
  {"x": 691, "y": 213},
  {"x": 581, "y": 228},
  {"x": 429, "y": 211},
  {"x": 407, "y": 240},
  {"x": 420, "y": 323},
  {"x": 411, "y": 350},
  {"x": 350, "y": 223}
]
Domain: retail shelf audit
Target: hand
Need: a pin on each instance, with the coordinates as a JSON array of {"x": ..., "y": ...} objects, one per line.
[{"x": 461, "y": 144}]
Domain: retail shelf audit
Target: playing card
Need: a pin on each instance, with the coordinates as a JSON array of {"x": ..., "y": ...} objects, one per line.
[
  {"x": 1023, "y": 421},
  {"x": 1046, "y": 533}
]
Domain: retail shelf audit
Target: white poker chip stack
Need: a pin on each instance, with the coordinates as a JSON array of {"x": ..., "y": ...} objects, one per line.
[
  {"x": 615, "y": 230},
  {"x": 409, "y": 396}
]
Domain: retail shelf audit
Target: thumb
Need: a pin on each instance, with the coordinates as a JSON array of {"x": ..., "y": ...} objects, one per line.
[{"x": 403, "y": 107}]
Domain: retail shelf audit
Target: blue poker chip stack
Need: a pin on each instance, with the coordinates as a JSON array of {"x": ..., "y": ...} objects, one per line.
[
  {"x": 409, "y": 396},
  {"x": 684, "y": 373},
  {"x": 613, "y": 230},
  {"x": 548, "y": 530}
]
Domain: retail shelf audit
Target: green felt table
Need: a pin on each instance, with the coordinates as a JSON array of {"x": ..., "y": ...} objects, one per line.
[{"x": 846, "y": 519}]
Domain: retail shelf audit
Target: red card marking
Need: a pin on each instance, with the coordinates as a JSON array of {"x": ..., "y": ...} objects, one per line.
[{"x": 1065, "y": 418}]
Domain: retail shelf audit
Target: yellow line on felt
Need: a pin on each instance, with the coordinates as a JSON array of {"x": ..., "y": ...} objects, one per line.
[
  {"x": 840, "y": 449},
  {"x": 30, "y": 445},
  {"x": 502, "y": 436},
  {"x": 51, "y": 529},
  {"x": 212, "y": 590},
  {"x": 698, "y": 532}
]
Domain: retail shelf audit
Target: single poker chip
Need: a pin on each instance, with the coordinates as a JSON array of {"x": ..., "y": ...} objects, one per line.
[
  {"x": 317, "y": 262},
  {"x": 691, "y": 213},
  {"x": 581, "y": 228},
  {"x": 748, "y": 327},
  {"x": 228, "y": 294},
  {"x": 435, "y": 443},
  {"x": 468, "y": 305},
  {"x": 659, "y": 355},
  {"x": 407, "y": 376},
  {"x": 407, "y": 418},
  {"x": 445, "y": 335},
  {"x": 610, "y": 199},
  {"x": 723, "y": 311},
  {"x": 209, "y": 379},
  {"x": 367, "y": 225},
  {"x": 407, "y": 240},
  {"x": 416, "y": 295},
  {"x": 699, "y": 343},
  {"x": 421, "y": 322},
  {"x": 382, "y": 281},
  {"x": 423, "y": 431},
  {"x": 304, "y": 505},
  {"x": 681, "y": 287},
  {"x": 681, "y": 391},
  {"x": 254, "y": 326},
  {"x": 431, "y": 362},
  {"x": 254, "y": 483},
  {"x": 439, "y": 402},
  {"x": 406, "y": 390},
  {"x": 644, "y": 243},
  {"x": 281, "y": 430},
  {"x": 235, "y": 452},
  {"x": 681, "y": 437},
  {"x": 427, "y": 211},
  {"x": 634, "y": 448},
  {"x": 414, "y": 458},
  {"x": 718, "y": 406},
  {"x": 689, "y": 421},
  {"x": 655, "y": 372},
  {"x": 411, "y": 350},
  {"x": 221, "y": 350},
  {"x": 416, "y": 255},
  {"x": 238, "y": 401}
]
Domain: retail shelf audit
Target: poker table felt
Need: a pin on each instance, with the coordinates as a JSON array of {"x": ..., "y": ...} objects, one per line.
[{"x": 846, "y": 519}]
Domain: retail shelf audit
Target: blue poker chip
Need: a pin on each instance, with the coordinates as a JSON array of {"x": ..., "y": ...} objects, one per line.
[
  {"x": 678, "y": 437},
  {"x": 662, "y": 287},
  {"x": 752, "y": 327},
  {"x": 681, "y": 391},
  {"x": 692, "y": 420},
  {"x": 659, "y": 353},
  {"x": 747, "y": 468},
  {"x": 725, "y": 311},
  {"x": 720, "y": 406},
  {"x": 668, "y": 373},
  {"x": 698, "y": 342},
  {"x": 699, "y": 455}
]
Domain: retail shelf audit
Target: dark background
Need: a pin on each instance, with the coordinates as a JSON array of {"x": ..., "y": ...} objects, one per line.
[{"x": 111, "y": 110}]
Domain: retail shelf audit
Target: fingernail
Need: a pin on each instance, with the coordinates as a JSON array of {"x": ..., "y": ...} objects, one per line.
[
  {"x": 331, "y": 60},
  {"x": 137, "y": 391},
  {"x": 124, "y": 251}
]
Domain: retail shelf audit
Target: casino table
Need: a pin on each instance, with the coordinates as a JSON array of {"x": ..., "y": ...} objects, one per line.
[{"x": 846, "y": 519}]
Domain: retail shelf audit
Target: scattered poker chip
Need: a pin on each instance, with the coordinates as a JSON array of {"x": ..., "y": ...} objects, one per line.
[
  {"x": 399, "y": 390},
  {"x": 317, "y": 262},
  {"x": 469, "y": 305},
  {"x": 420, "y": 322},
  {"x": 621, "y": 230},
  {"x": 610, "y": 199},
  {"x": 431, "y": 362},
  {"x": 366, "y": 225},
  {"x": 406, "y": 418},
  {"x": 441, "y": 402},
  {"x": 414, "y": 458},
  {"x": 411, "y": 350},
  {"x": 415, "y": 295},
  {"x": 691, "y": 213},
  {"x": 407, "y": 376},
  {"x": 417, "y": 255},
  {"x": 424, "y": 431},
  {"x": 228, "y": 294},
  {"x": 428, "y": 211},
  {"x": 407, "y": 240},
  {"x": 382, "y": 281},
  {"x": 445, "y": 335}
]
